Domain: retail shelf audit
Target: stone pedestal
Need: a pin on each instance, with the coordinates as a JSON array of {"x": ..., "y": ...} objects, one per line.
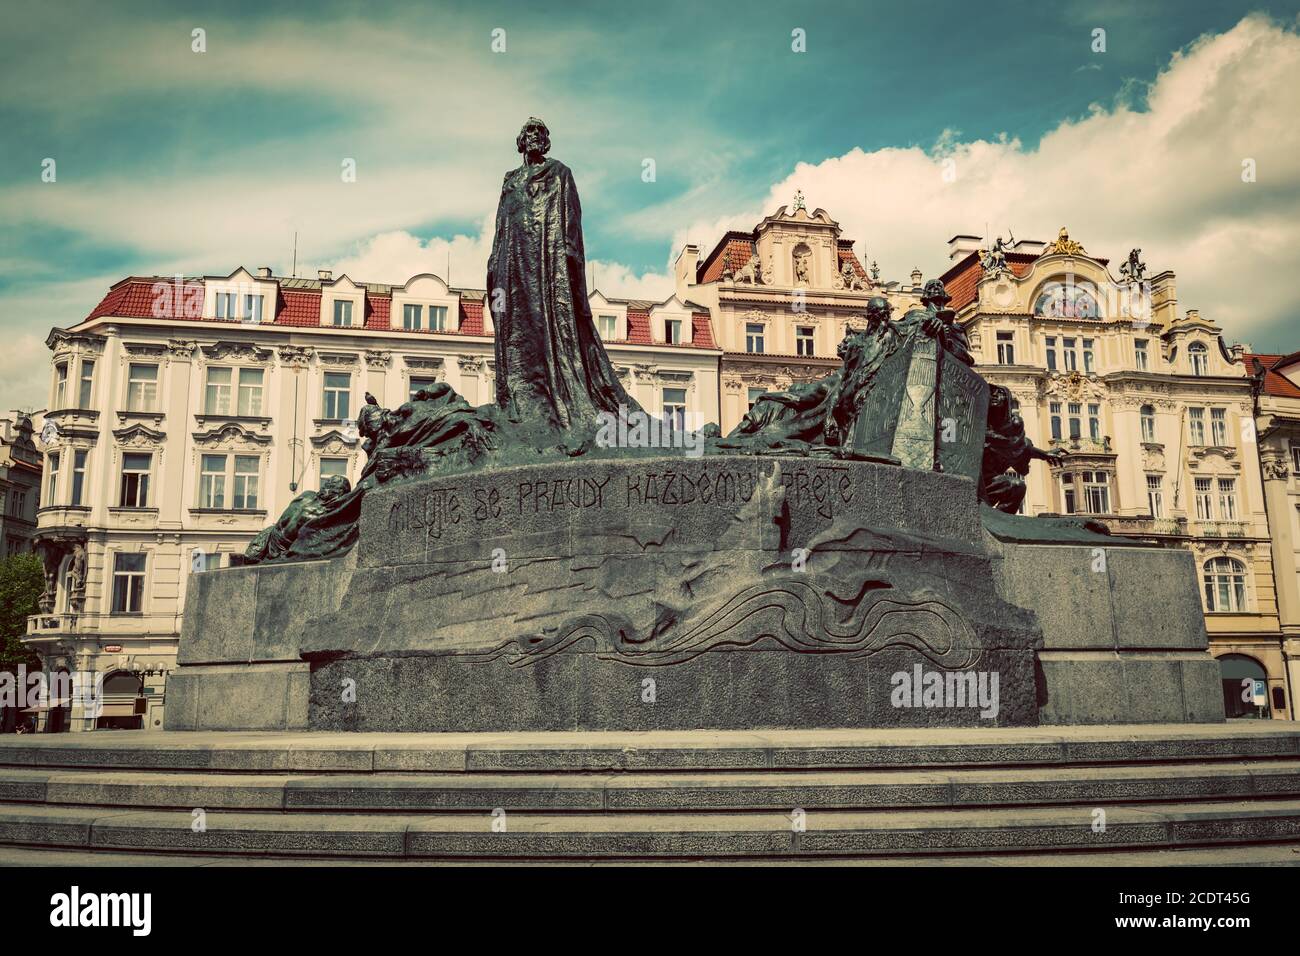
[{"x": 723, "y": 592}]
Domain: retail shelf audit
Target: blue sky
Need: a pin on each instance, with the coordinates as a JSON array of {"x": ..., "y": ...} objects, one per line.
[{"x": 170, "y": 160}]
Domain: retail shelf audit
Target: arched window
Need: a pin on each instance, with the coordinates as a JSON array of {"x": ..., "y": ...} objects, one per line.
[
  {"x": 1066, "y": 300},
  {"x": 1200, "y": 358},
  {"x": 1225, "y": 585},
  {"x": 1148, "y": 415},
  {"x": 1238, "y": 674}
]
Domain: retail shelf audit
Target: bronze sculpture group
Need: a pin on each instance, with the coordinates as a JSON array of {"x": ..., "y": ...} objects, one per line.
[{"x": 554, "y": 379}]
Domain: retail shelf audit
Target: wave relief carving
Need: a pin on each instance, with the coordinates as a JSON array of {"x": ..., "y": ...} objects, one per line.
[{"x": 805, "y": 615}]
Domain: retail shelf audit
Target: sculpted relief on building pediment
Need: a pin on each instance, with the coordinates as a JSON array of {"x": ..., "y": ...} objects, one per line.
[
  {"x": 230, "y": 437},
  {"x": 139, "y": 436},
  {"x": 237, "y": 351}
]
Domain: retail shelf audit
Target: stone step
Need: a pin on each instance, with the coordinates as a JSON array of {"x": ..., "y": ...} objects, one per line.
[
  {"x": 642, "y": 791},
  {"x": 655, "y": 751},
  {"x": 653, "y": 835},
  {"x": 1285, "y": 854}
]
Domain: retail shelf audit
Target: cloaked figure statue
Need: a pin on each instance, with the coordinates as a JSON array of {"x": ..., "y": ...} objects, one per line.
[{"x": 550, "y": 364}]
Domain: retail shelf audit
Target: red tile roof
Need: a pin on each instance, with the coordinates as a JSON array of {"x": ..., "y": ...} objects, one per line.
[
  {"x": 134, "y": 298},
  {"x": 963, "y": 279},
  {"x": 1275, "y": 383},
  {"x": 846, "y": 252},
  {"x": 739, "y": 244}
]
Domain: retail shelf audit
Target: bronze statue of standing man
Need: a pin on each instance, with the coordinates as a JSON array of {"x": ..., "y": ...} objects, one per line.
[{"x": 551, "y": 367}]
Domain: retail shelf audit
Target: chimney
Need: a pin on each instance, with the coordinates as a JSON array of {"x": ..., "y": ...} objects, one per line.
[
  {"x": 264, "y": 272},
  {"x": 325, "y": 275},
  {"x": 688, "y": 261},
  {"x": 960, "y": 246}
]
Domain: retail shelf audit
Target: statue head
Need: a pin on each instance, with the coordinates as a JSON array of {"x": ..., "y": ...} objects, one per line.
[
  {"x": 534, "y": 138},
  {"x": 332, "y": 488},
  {"x": 935, "y": 293},
  {"x": 878, "y": 309}
]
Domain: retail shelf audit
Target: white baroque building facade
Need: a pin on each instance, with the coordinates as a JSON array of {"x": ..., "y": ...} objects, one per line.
[
  {"x": 188, "y": 413},
  {"x": 1156, "y": 416},
  {"x": 782, "y": 296}
]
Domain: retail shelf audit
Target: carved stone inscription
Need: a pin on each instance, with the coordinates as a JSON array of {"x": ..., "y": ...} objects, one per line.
[{"x": 473, "y": 507}]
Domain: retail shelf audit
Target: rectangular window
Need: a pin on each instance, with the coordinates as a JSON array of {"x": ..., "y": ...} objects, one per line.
[
  {"x": 675, "y": 408},
  {"x": 86, "y": 394},
  {"x": 1076, "y": 419},
  {"x": 1006, "y": 348},
  {"x": 1204, "y": 500},
  {"x": 419, "y": 383},
  {"x": 216, "y": 395},
  {"x": 1155, "y": 496},
  {"x": 803, "y": 340},
  {"x": 1228, "y": 499},
  {"x": 438, "y": 318},
  {"x": 333, "y": 466},
  {"x": 338, "y": 387},
  {"x": 52, "y": 479},
  {"x": 1218, "y": 427},
  {"x": 1295, "y": 459},
  {"x": 1071, "y": 356},
  {"x": 226, "y": 305},
  {"x": 128, "y": 583},
  {"x": 1148, "y": 425},
  {"x": 246, "y": 475},
  {"x": 142, "y": 388},
  {"x": 1196, "y": 425},
  {"x": 212, "y": 481},
  {"x": 1140, "y": 355},
  {"x": 342, "y": 312},
  {"x": 1067, "y": 490},
  {"x": 673, "y": 331},
  {"x": 1094, "y": 422},
  {"x": 253, "y": 308},
  {"x": 411, "y": 316},
  {"x": 135, "y": 480},
  {"x": 250, "y": 391},
  {"x": 608, "y": 326},
  {"x": 754, "y": 394},
  {"x": 753, "y": 337},
  {"x": 1088, "y": 362},
  {"x": 60, "y": 384},
  {"x": 1097, "y": 492},
  {"x": 1055, "y": 408},
  {"x": 78, "y": 475},
  {"x": 1051, "y": 353}
]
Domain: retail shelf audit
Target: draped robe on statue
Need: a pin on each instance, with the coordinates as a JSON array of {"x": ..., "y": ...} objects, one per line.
[{"x": 550, "y": 364}]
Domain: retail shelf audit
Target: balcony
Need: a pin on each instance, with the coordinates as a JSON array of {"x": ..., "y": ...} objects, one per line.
[
  {"x": 49, "y": 626},
  {"x": 1083, "y": 446},
  {"x": 62, "y": 516},
  {"x": 1223, "y": 529},
  {"x": 1145, "y": 526}
]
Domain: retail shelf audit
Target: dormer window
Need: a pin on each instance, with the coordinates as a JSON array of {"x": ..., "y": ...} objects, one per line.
[
  {"x": 253, "y": 308},
  {"x": 342, "y": 313},
  {"x": 608, "y": 326},
  {"x": 226, "y": 305},
  {"x": 1200, "y": 358},
  {"x": 426, "y": 303},
  {"x": 673, "y": 331}
]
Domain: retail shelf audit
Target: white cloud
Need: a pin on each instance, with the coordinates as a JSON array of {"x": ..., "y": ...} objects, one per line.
[{"x": 1166, "y": 179}]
